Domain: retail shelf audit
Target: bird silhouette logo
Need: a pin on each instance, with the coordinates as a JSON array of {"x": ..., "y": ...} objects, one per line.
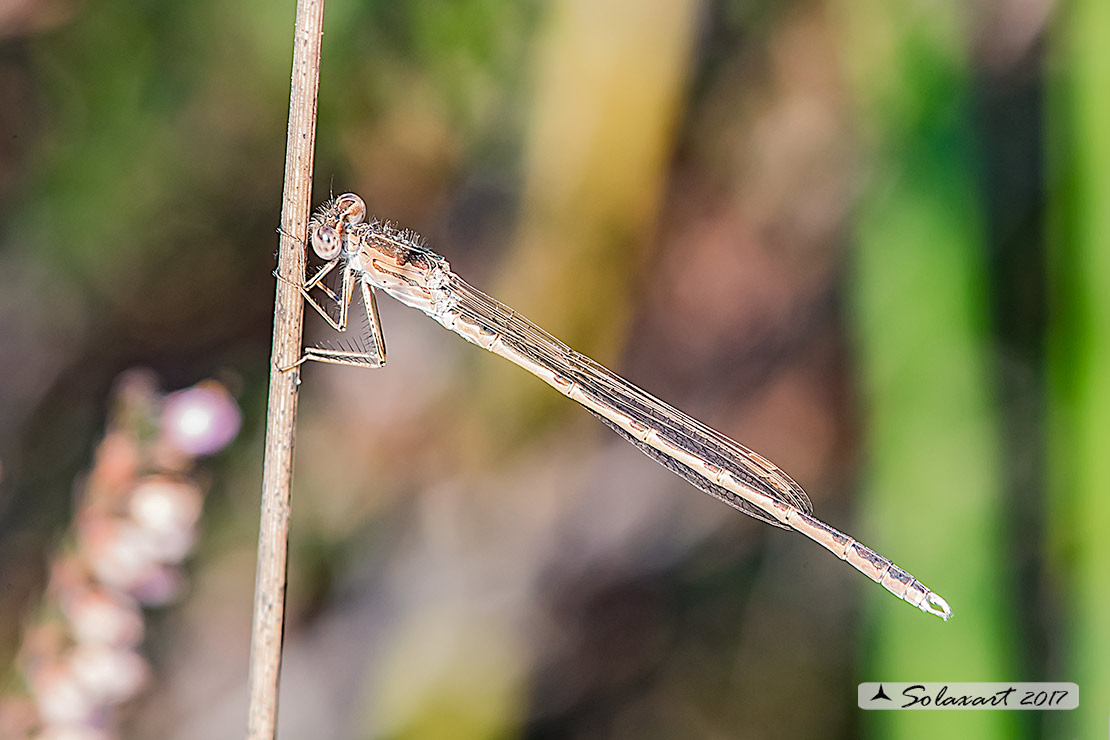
[{"x": 881, "y": 694}]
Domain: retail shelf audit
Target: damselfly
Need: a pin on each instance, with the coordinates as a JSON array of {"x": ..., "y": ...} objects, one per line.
[{"x": 374, "y": 255}]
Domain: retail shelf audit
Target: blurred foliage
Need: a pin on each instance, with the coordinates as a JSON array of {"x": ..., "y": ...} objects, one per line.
[
  {"x": 1079, "y": 349},
  {"x": 818, "y": 226},
  {"x": 922, "y": 306}
]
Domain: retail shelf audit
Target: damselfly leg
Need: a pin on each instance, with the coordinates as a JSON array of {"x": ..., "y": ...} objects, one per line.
[{"x": 370, "y": 349}]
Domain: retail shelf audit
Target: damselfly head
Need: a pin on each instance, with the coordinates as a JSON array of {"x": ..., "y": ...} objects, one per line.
[
  {"x": 326, "y": 242},
  {"x": 351, "y": 208}
]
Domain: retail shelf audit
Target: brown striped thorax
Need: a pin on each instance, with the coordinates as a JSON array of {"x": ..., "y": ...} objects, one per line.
[{"x": 388, "y": 258}]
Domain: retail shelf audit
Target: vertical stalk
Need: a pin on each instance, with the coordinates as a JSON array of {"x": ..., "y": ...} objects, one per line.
[{"x": 273, "y": 535}]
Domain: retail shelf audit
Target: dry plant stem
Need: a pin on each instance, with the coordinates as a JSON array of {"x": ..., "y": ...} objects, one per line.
[{"x": 269, "y": 590}]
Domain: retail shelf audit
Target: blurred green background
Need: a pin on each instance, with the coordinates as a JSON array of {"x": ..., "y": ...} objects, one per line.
[{"x": 869, "y": 239}]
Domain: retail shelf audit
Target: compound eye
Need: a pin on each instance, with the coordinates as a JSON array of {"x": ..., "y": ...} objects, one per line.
[
  {"x": 326, "y": 242},
  {"x": 352, "y": 209}
]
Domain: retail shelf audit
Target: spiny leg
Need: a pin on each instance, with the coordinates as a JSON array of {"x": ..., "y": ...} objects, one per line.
[
  {"x": 370, "y": 305},
  {"x": 343, "y": 301},
  {"x": 373, "y": 358},
  {"x": 315, "y": 281},
  {"x": 338, "y": 357}
]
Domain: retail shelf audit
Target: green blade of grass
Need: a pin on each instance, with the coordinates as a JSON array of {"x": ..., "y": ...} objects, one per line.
[
  {"x": 933, "y": 498},
  {"x": 1079, "y": 351}
]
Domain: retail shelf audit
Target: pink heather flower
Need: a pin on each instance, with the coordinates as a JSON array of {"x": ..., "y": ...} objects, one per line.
[
  {"x": 201, "y": 420},
  {"x": 117, "y": 550},
  {"x": 161, "y": 586},
  {"x": 111, "y": 675},
  {"x": 166, "y": 512},
  {"x": 163, "y": 505},
  {"x": 61, "y": 698},
  {"x": 98, "y": 616}
]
